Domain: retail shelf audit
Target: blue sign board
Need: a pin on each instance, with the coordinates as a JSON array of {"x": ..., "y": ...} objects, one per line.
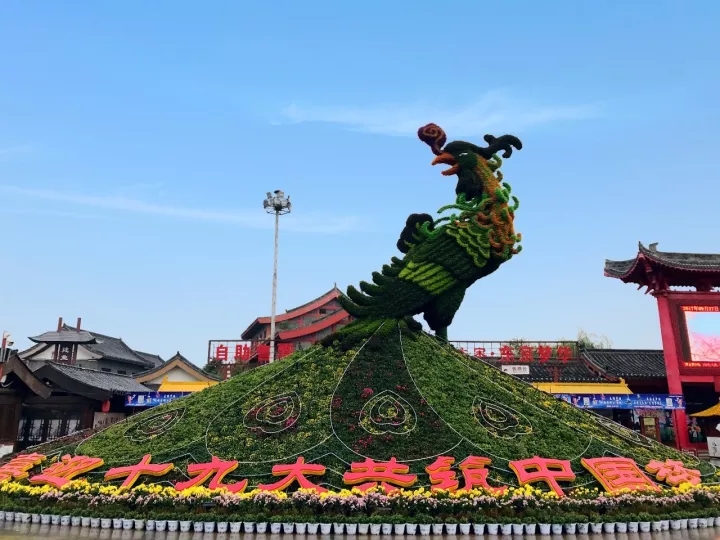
[
  {"x": 630, "y": 401},
  {"x": 151, "y": 399}
]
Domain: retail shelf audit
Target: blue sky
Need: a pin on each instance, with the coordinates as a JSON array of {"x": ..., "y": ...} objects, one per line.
[{"x": 137, "y": 141}]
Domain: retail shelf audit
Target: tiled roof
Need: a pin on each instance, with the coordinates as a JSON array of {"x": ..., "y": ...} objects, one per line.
[
  {"x": 101, "y": 380},
  {"x": 629, "y": 363},
  {"x": 154, "y": 358},
  {"x": 112, "y": 348},
  {"x": 577, "y": 371},
  {"x": 64, "y": 336},
  {"x": 294, "y": 312},
  {"x": 681, "y": 269}
]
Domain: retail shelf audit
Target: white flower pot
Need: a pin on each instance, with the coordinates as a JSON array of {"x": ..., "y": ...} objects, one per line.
[
  {"x": 44, "y": 518},
  {"x": 711, "y": 521},
  {"x": 185, "y": 526},
  {"x": 464, "y": 528},
  {"x": 106, "y": 523},
  {"x": 127, "y": 524},
  {"x": 325, "y": 528},
  {"x": 518, "y": 528},
  {"x": 411, "y": 529},
  {"x": 139, "y": 524},
  {"x": 312, "y": 528},
  {"x": 117, "y": 523},
  {"x": 94, "y": 523},
  {"x": 675, "y": 524},
  {"x": 26, "y": 518},
  {"x": 198, "y": 526},
  {"x": 693, "y": 523},
  {"x": 162, "y": 525},
  {"x": 150, "y": 525},
  {"x": 19, "y": 517},
  {"x": 656, "y": 526},
  {"x": 208, "y": 526},
  {"x": 222, "y": 526},
  {"x": 557, "y": 528},
  {"x": 2, "y": 515},
  {"x": 582, "y": 528},
  {"x": 288, "y": 528},
  {"x": 350, "y": 529},
  {"x": 684, "y": 524},
  {"x": 506, "y": 528},
  {"x": 702, "y": 523},
  {"x": 387, "y": 528},
  {"x": 570, "y": 528},
  {"x": 261, "y": 527},
  {"x": 399, "y": 528},
  {"x": 545, "y": 529},
  {"x": 665, "y": 525},
  {"x": 492, "y": 528},
  {"x": 75, "y": 521},
  {"x": 609, "y": 527},
  {"x": 35, "y": 518},
  {"x": 9, "y": 516},
  {"x": 437, "y": 528},
  {"x": 237, "y": 526},
  {"x": 424, "y": 529},
  {"x": 645, "y": 526},
  {"x": 55, "y": 519},
  {"x": 85, "y": 521},
  {"x": 633, "y": 526},
  {"x": 248, "y": 526},
  {"x": 596, "y": 528},
  {"x": 338, "y": 528},
  {"x": 621, "y": 527},
  {"x": 173, "y": 525},
  {"x": 363, "y": 528},
  {"x": 478, "y": 529},
  {"x": 301, "y": 528}
]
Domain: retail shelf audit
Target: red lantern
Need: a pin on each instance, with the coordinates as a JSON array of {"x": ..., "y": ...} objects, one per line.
[{"x": 105, "y": 407}]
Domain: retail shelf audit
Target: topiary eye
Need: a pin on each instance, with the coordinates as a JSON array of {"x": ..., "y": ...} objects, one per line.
[{"x": 463, "y": 154}]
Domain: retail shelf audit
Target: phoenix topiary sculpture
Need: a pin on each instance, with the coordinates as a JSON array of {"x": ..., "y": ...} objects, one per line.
[{"x": 445, "y": 256}]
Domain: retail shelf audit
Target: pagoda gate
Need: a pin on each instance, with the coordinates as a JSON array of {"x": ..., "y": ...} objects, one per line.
[{"x": 689, "y": 324}]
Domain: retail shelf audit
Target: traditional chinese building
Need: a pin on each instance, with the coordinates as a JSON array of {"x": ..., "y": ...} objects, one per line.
[
  {"x": 80, "y": 399},
  {"x": 173, "y": 379},
  {"x": 689, "y": 327},
  {"x": 18, "y": 383},
  {"x": 295, "y": 330},
  {"x": 78, "y": 347}
]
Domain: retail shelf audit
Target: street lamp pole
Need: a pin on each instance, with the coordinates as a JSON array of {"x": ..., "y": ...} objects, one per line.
[{"x": 275, "y": 203}]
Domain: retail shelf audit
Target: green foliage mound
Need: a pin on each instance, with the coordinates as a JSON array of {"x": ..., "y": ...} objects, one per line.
[{"x": 380, "y": 390}]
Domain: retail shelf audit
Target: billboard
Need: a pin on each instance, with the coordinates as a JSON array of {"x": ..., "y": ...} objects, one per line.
[{"x": 700, "y": 335}]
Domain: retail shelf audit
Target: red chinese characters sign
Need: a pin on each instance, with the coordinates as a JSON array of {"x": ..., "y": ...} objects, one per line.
[
  {"x": 521, "y": 352},
  {"x": 230, "y": 352},
  {"x": 615, "y": 474}
]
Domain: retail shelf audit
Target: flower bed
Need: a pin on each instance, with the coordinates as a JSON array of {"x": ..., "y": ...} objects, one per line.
[{"x": 519, "y": 510}]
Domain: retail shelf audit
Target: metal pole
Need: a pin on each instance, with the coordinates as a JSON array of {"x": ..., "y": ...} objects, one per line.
[{"x": 274, "y": 290}]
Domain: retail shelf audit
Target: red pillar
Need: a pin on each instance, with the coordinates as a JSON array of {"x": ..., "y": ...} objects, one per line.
[{"x": 672, "y": 366}]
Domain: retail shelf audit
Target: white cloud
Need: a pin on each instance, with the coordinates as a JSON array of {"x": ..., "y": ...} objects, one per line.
[
  {"x": 495, "y": 111},
  {"x": 254, "y": 219}
]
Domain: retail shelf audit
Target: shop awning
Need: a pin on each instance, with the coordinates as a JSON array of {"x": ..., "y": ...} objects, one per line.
[
  {"x": 184, "y": 386},
  {"x": 584, "y": 388},
  {"x": 712, "y": 411}
]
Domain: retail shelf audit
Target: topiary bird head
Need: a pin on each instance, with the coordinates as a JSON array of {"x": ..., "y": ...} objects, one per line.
[{"x": 471, "y": 163}]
